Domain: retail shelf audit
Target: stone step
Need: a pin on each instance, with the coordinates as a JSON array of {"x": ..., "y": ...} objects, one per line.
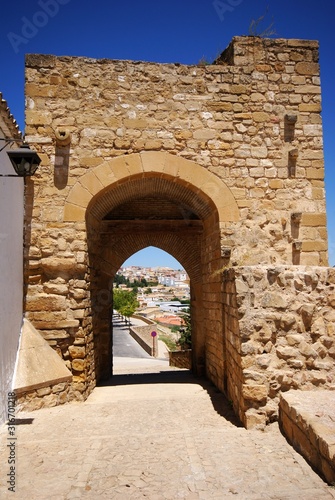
[{"x": 307, "y": 419}]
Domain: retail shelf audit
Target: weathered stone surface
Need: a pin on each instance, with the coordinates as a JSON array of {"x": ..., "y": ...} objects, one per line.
[
  {"x": 193, "y": 145},
  {"x": 78, "y": 365},
  {"x": 255, "y": 392},
  {"x": 287, "y": 350},
  {"x": 77, "y": 352}
]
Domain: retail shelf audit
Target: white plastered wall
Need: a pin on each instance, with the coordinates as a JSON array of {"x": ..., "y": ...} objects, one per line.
[{"x": 11, "y": 273}]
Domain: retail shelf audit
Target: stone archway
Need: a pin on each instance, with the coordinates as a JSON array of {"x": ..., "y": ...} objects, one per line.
[
  {"x": 159, "y": 164},
  {"x": 157, "y": 199}
]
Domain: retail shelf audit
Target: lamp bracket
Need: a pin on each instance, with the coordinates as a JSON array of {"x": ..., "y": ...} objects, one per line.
[{"x": 9, "y": 141}]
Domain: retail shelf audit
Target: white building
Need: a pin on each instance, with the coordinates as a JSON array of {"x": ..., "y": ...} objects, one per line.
[{"x": 11, "y": 259}]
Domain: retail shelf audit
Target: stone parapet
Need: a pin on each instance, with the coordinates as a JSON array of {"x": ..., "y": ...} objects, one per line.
[{"x": 142, "y": 335}]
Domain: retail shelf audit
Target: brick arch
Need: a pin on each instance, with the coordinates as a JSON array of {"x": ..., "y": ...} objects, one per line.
[
  {"x": 197, "y": 179},
  {"x": 186, "y": 250}
]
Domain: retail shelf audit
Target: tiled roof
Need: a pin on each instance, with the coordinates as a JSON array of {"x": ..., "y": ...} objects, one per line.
[{"x": 11, "y": 128}]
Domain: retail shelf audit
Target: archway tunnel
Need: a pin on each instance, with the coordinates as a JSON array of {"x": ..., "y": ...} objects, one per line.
[{"x": 170, "y": 214}]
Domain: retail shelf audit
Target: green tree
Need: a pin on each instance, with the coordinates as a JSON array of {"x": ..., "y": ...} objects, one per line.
[
  {"x": 124, "y": 302},
  {"x": 185, "y": 340},
  {"x": 119, "y": 279}
]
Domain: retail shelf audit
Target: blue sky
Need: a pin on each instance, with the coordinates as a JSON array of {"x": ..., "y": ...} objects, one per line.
[{"x": 181, "y": 31}]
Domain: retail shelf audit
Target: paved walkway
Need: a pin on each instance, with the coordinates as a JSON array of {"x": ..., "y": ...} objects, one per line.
[{"x": 155, "y": 436}]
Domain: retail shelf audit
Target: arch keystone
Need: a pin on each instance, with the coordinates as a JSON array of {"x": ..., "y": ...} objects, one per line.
[
  {"x": 133, "y": 163},
  {"x": 153, "y": 161},
  {"x": 172, "y": 165}
]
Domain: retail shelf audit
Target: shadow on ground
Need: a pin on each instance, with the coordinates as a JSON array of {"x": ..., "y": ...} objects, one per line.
[{"x": 219, "y": 401}]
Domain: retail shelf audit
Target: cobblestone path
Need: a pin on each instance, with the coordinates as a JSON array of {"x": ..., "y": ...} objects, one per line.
[{"x": 156, "y": 437}]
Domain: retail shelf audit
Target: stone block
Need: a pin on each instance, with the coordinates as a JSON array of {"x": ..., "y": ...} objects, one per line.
[
  {"x": 204, "y": 134},
  {"x": 257, "y": 393},
  {"x": 135, "y": 123},
  {"x": 73, "y": 213},
  {"x": 312, "y": 246},
  {"x": 313, "y": 219},
  {"x": 78, "y": 365},
  {"x": 79, "y": 196},
  {"x": 46, "y": 302},
  {"x": 260, "y": 116},
  {"x": 307, "y": 68},
  {"x": 77, "y": 352},
  {"x": 310, "y": 108}
]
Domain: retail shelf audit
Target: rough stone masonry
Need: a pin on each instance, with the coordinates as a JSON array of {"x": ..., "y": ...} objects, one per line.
[{"x": 221, "y": 165}]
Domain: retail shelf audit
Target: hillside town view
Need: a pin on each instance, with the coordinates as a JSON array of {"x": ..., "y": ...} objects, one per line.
[{"x": 160, "y": 294}]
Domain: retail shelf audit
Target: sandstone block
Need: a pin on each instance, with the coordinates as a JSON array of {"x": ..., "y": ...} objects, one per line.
[
  {"x": 312, "y": 130},
  {"x": 310, "y": 108},
  {"x": 307, "y": 68},
  {"x": 313, "y": 219},
  {"x": 275, "y": 300},
  {"x": 43, "y": 391},
  {"x": 312, "y": 246},
  {"x": 307, "y": 350},
  {"x": 238, "y": 89},
  {"x": 59, "y": 387},
  {"x": 56, "y": 266},
  {"x": 136, "y": 123},
  {"x": 54, "y": 288},
  {"x": 55, "y": 334},
  {"x": 287, "y": 352},
  {"x": 294, "y": 339},
  {"x": 37, "y": 118},
  {"x": 77, "y": 352},
  {"x": 307, "y": 89},
  {"x": 46, "y": 302},
  {"x": 260, "y": 116},
  {"x": 204, "y": 134},
  {"x": 257, "y": 392},
  {"x": 78, "y": 365}
]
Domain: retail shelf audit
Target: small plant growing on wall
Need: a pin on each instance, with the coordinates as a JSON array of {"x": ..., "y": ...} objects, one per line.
[{"x": 256, "y": 29}]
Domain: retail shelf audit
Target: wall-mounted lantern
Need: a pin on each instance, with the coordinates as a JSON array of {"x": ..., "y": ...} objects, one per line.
[{"x": 25, "y": 161}]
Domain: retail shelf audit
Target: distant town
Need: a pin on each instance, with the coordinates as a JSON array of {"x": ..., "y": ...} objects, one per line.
[{"x": 163, "y": 293}]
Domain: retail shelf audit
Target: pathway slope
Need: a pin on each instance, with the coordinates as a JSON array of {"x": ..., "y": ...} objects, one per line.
[{"x": 159, "y": 436}]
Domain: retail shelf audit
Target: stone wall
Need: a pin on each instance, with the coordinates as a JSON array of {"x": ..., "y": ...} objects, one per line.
[
  {"x": 142, "y": 335},
  {"x": 46, "y": 397},
  {"x": 253, "y": 119},
  {"x": 280, "y": 335},
  {"x": 219, "y": 165},
  {"x": 181, "y": 359}
]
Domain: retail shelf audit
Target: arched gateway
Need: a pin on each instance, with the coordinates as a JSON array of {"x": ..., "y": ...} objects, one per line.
[
  {"x": 219, "y": 165},
  {"x": 158, "y": 199}
]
